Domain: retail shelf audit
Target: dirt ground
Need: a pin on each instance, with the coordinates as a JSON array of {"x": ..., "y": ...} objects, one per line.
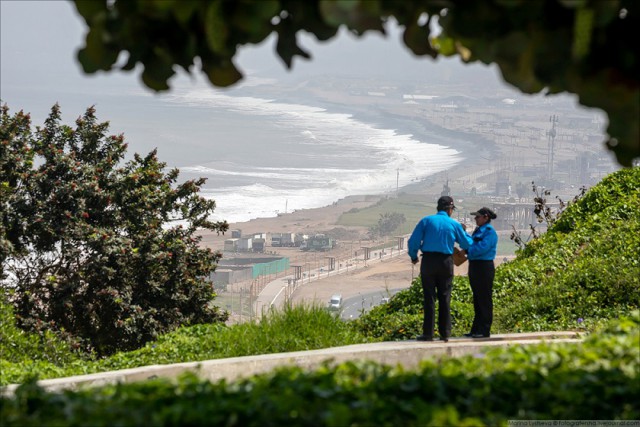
[
  {"x": 384, "y": 276},
  {"x": 307, "y": 221}
]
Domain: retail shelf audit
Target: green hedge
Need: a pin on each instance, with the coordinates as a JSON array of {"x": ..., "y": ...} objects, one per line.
[{"x": 596, "y": 379}]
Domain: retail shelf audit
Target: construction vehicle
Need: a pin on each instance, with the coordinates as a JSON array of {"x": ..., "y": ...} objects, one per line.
[
  {"x": 319, "y": 243},
  {"x": 285, "y": 240}
]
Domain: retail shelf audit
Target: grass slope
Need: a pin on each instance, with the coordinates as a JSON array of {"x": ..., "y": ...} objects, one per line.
[
  {"x": 583, "y": 271},
  {"x": 296, "y": 328}
]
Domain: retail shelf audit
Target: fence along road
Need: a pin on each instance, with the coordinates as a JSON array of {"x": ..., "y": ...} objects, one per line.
[{"x": 277, "y": 292}]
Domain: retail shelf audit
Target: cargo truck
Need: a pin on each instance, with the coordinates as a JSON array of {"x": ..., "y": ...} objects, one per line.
[
  {"x": 245, "y": 244},
  {"x": 258, "y": 245},
  {"x": 283, "y": 239},
  {"x": 319, "y": 243},
  {"x": 231, "y": 245}
]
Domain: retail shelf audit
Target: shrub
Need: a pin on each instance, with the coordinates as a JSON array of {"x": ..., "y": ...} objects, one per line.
[
  {"x": 596, "y": 379},
  {"x": 583, "y": 271},
  {"x": 98, "y": 251},
  {"x": 294, "y": 328},
  {"x": 20, "y": 347}
]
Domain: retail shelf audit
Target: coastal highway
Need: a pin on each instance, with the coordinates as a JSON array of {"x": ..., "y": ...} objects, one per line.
[
  {"x": 276, "y": 292},
  {"x": 353, "y": 307}
]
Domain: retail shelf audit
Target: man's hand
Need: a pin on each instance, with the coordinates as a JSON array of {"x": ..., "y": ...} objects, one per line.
[
  {"x": 414, "y": 261},
  {"x": 464, "y": 226}
]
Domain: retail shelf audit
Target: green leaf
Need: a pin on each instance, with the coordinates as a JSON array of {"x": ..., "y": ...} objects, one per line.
[
  {"x": 216, "y": 28},
  {"x": 92, "y": 10}
]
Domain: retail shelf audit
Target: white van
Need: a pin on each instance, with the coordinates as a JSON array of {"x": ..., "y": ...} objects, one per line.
[{"x": 335, "y": 303}]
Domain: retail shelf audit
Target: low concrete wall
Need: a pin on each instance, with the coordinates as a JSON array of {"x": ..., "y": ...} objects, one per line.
[{"x": 409, "y": 354}]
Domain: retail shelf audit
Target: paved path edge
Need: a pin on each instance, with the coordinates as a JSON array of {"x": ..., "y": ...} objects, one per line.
[{"x": 408, "y": 354}]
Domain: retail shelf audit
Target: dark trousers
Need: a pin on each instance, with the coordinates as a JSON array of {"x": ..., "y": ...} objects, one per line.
[
  {"x": 436, "y": 274},
  {"x": 481, "y": 275}
]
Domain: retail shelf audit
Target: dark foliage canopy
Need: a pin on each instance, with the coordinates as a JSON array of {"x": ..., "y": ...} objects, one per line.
[
  {"x": 103, "y": 252},
  {"x": 585, "y": 47}
]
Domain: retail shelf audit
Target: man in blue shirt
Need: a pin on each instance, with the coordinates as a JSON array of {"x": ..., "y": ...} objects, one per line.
[
  {"x": 434, "y": 236},
  {"x": 482, "y": 272}
]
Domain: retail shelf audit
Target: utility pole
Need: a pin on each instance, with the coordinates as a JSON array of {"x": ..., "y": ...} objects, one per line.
[{"x": 551, "y": 145}]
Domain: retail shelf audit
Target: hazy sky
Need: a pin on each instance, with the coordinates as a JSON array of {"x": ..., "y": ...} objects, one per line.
[
  {"x": 38, "y": 67},
  {"x": 39, "y": 41}
]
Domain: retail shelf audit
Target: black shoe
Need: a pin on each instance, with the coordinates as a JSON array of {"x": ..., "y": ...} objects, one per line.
[
  {"x": 480, "y": 335},
  {"x": 445, "y": 339},
  {"x": 469, "y": 335},
  {"x": 424, "y": 338}
]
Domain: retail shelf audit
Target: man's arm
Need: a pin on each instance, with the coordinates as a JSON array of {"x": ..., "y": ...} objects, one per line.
[
  {"x": 415, "y": 241},
  {"x": 463, "y": 239}
]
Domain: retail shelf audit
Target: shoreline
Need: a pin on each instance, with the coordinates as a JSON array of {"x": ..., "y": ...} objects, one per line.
[
  {"x": 404, "y": 120},
  {"x": 325, "y": 218},
  {"x": 407, "y": 119},
  {"x": 483, "y": 143}
]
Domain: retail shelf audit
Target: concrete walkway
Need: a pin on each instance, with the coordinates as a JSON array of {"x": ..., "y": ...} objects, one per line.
[{"x": 406, "y": 353}]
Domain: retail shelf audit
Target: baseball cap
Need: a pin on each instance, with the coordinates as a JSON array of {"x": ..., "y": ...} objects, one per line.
[
  {"x": 445, "y": 202},
  {"x": 484, "y": 212}
]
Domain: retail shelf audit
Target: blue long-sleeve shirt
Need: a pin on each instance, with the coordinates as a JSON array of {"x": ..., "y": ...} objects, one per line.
[
  {"x": 437, "y": 233},
  {"x": 485, "y": 244}
]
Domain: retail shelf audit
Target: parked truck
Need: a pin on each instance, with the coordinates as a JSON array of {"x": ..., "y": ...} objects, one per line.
[
  {"x": 231, "y": 245},
  {"x": 300, "y": 239},
  {"x": 320, "y": 243},
  {"x": 245, "y": 244},
  {"x": 258, "y": 244},
  {"x": 283, "y": 239}
]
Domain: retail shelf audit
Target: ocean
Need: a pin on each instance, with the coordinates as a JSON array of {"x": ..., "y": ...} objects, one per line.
[
  {"x": 266, "y": 157},
  {"x": 261, "y": 157}
]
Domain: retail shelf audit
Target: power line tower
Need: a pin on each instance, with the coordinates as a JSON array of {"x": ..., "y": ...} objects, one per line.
[{"x": 551, "y": 135}]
